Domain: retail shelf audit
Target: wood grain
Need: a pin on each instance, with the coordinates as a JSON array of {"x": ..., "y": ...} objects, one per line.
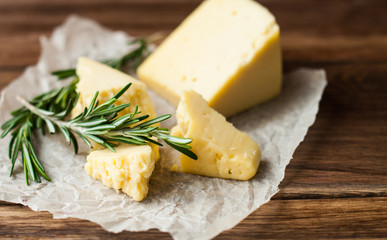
[
  {"x": 336, "y": 184},
  {"x": 308, "y": 218}
]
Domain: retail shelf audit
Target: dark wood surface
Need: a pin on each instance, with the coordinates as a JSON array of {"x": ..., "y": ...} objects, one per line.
[{"x": 336, "y": 184}]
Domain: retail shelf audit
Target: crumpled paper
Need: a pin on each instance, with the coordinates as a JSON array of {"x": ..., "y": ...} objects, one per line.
[{"x": 186, "y": 206}]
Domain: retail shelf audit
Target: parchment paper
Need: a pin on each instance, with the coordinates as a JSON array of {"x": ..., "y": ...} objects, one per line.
[{"x": 186, "y": 206}]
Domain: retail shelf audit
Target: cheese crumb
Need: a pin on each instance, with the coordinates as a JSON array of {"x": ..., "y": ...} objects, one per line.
[{"x": 174, "y": 168}]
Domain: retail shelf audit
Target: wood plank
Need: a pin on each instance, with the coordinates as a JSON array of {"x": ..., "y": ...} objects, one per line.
[
  {"x": 322, "y": 17},
  {"x": 361, "y": 218},
  {"x": 7, "y": 76},
  {"x": 364, "y": 218},
  {"x": 344, "y": 153}
]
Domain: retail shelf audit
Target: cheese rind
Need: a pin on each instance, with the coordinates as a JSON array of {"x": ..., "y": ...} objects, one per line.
[
  {"x": 95, "y": 76},
  {"x": 128, "y": 169},
  {"x": 225, "y": 50},
  {"x": 223, "y": 151}
]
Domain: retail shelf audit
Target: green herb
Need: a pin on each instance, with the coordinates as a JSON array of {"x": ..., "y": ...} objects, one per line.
[
  {"x": 134, "y": 58},
  {"x": 98, "y": 123},
  {"x": 24, "y": 123}
]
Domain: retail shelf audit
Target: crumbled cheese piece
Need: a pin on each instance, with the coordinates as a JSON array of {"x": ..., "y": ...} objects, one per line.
[{"x": 128, "y": 169}]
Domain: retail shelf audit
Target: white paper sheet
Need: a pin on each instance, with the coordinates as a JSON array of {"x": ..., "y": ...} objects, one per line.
[{"x": 186, "y": 206}]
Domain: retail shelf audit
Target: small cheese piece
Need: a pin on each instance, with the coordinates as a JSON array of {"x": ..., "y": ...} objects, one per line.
[
  {"x": 226, "y": 50},
  {"x": 129, "y": 168},
  {"x": 95, "y": 76},
  {"x": 223, "y": 151},
  {"x": 174, "y": 168}
]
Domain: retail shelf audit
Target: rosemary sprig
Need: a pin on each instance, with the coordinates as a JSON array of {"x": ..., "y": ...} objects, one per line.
[
  {"x": 99, "y": 123},
  {"x": 134, "y": 58}
]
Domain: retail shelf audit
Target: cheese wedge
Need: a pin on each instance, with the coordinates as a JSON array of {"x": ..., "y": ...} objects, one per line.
[
  {"x": 223, "y": 151},
  {"x": 95, "y": 76},
  {"x": 129, "y": 168},
  {"x": 226, "y": 50}
]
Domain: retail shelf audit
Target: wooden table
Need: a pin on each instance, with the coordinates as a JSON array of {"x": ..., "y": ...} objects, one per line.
[{"x": 336, "y": 184}]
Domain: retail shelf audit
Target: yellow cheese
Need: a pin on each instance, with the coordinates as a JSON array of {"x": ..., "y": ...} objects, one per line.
[
  {"x": 223, "y": 151},
  {"x": 174, "y": 168},
  {"x": 95, "y": 76},
  {"x": 129, "y": 168},
  {"x": 226, "y": 50}
]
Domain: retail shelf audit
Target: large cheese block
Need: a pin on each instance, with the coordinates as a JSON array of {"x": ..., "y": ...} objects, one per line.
[
  {"x": 95, "y": 76},
  {"x": 129, "y": 168},
  {"x": 223, "y": 151},
  {"x": 226, "y": 50}
]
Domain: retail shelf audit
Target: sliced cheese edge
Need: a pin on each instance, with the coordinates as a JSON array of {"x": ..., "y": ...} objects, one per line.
[{"x": 223, "y": 151}]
